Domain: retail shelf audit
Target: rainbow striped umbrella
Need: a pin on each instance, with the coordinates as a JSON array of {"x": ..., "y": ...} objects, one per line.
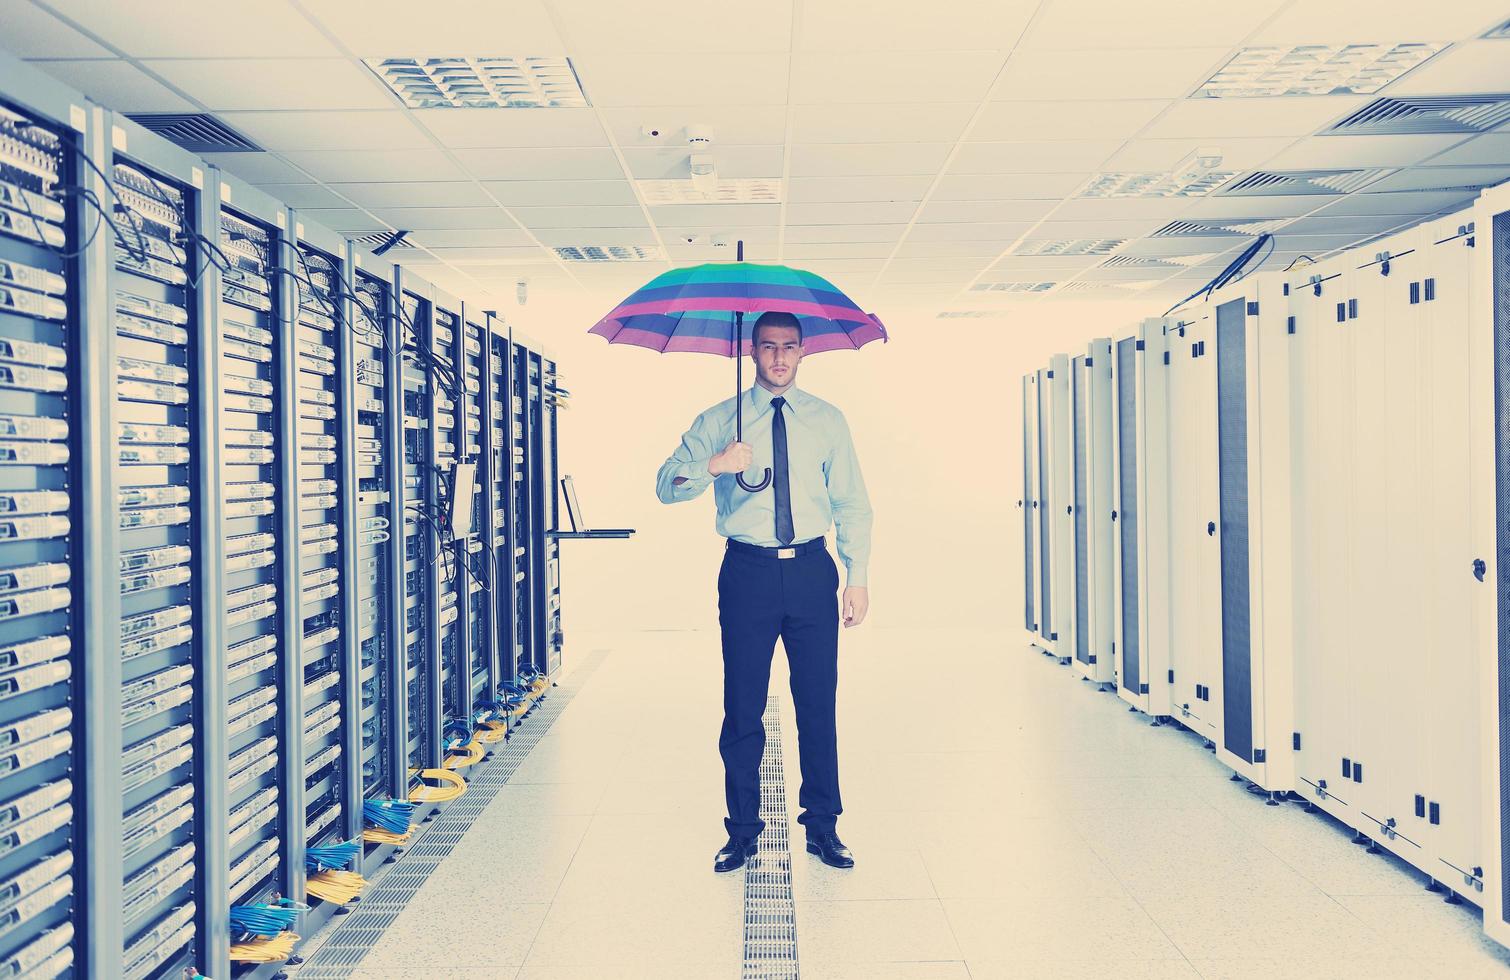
[{"x": 702, "y": 309}]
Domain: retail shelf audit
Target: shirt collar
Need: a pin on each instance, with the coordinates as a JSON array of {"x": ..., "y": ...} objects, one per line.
[{"x": 761, "y": 398}]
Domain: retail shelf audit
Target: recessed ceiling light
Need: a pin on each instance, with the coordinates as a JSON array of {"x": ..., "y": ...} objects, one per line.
[
  {"x": 1012, "y": 287},
  {"x": 481, "y": 83},
  {"x": 1120, "y": 184},
  {"x": 609, "y": 253},
  {"x": 747, "y": 190},
  {"x": 1315, "y": 69},
  {"x": 1069, "y": 246},
  {"x": 1502, "y": 31}
]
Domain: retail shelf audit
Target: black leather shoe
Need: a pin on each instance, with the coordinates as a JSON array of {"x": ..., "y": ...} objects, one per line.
[
  {"x": 827, "y": 845},
  {"x": 734, "y": 854}
]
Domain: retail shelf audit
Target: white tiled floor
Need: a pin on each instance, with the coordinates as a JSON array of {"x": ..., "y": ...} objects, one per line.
[{"x": 1007, "y": 820}]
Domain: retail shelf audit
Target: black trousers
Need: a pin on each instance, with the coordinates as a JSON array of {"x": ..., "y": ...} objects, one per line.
[{"x": 796, "y": 599}]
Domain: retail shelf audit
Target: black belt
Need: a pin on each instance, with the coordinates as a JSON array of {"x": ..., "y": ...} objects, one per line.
[{"x": 792, "y": 551}]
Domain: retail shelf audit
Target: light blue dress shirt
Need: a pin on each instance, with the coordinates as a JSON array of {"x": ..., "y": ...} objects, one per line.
[{"x": 826, "y": 485}]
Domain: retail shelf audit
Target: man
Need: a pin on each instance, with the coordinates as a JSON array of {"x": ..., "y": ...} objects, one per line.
[{"x": 777, "y": 577}]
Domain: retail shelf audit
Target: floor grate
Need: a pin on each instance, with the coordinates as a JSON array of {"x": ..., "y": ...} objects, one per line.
[
  {"x": 342, "y": 950},
  {"x": 770, "y": 934}
]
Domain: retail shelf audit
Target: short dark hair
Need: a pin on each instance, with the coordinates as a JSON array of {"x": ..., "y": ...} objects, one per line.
[{"x": 775, "y": 318}]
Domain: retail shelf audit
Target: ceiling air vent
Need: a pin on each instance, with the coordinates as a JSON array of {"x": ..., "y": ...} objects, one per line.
[
  {"x": 738, "y": 190},
  {"x": 196, "y": 132},
  {"x": 1500, "y": 32},
  {"x": 1138, "y": 261},
  {"x": 1266, "y": 183},
  {"x": 481, "y": 83},
  {"x": 377, "y": 238},
  {"x": 608, "y": 253},
  {"x": 1012, "y": 287},
  {"x": 1315, "y": 69},
  {"x": 1427, "y": 114},
  {"x": 1069, "y": 246},
  {"x": 1109, "y": 285}
]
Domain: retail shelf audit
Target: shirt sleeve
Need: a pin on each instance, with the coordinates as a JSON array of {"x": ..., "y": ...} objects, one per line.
[
  {"x": 689, "y": 461},
  {"x": 850, "y": 503}
]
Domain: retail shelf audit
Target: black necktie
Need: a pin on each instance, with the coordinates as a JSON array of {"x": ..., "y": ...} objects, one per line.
[{"x": 780, "y": 484}]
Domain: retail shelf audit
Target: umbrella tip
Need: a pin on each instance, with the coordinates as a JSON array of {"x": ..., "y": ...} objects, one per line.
[{"x": 739, "y": 250}]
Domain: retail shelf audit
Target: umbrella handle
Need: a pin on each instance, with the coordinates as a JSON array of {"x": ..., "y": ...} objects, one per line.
[{"x": 765, "y": 481}]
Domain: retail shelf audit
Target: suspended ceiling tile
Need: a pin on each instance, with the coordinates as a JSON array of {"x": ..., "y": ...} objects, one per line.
[
  {"x": 764, "y": 238},
  {"x": 31, "y": 32},
  {"x": 1125, "y": 229},
  {"x": 581, "y": 217},
  {"x": 1007, "y": 187},
  {"x": 838, "y": 250},
  {"x": 305, "y": 195},
  {"x": 1078, "y": 24},
  {"x": 490, "y": 128},
  {"x": 376, "y": 165},
  {"x": 1031, "y": 157},
  {"x": 937, "y": 211},
  {"x": 1110, "y": 74},
  {"x": 870, "y": 212},
  {"x": 1435, "y": 178},
  {"x": 968, "y": 231},
  {"x": 862, "y": 160},
  {"x": 1210, "y": 120},
  {"x": 832, "y": 78},
  {"x": 692, "y": 78},
  {"x": 563, "y": 237},
  {"x": 963, "y": 265},
  {"x": 1400, "y": 202},
  {"x": 1019, "y": 267},
  {"x": 561, "y": 193},
  {"x": 344, "y": 220},
  {"x": 988, "y": 248},
  {"x": 423, "y": 218},
  {"x": 1330, "y": 223},
  {"x": 754, "y": 125},
  {"x": 902, "y": 25},
  {"x": 1278, "y": 206},
  {"x": 1182, "y": 245},
  {"x": 1468, "y": 68},
  {"x": 504, "y": 240},
  {"x": 1002, "y": 121},
  {"x": 674, "y": 27},
  {"x": 903, "y": 276},
  {"x": 1118, "y": 209},
  {"x": 369, "y": 130},
  {"x": 1155, "y": 156},
  {"x": 413, "y": 194},
  {"x": 647, "y": 163},
  {"x": 844, "y": 233},
  {"x": 581, "y": 163},
  {"x": 1486, "y": 150},
  {"x": 930, "y": 122},
  {"x": 399, "y": 29},
  {"x": 832, "y": 190},
  {"x": 716, "y": 215},
  {"x": 117, "y": 85},
  {"x": 1353, "y": 152},
  {"x": 278, "y": 83},
  {"x": 191, "y": 29},
  {"x": 464, "y": 255},
  {"x": 1360, "y": 22},
  {"x": 258, "y": 168}
]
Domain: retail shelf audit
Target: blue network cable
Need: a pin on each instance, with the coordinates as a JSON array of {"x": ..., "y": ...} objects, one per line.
[
  {"x": 266, "y": 920},
  {"x": 390, "y": 815},
  {"x": 330, "y": 857}
]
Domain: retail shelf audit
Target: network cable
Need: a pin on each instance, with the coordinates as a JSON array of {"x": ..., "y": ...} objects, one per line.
[
  {"x": 340, "y": 887},
  {"x": 265, "y": 920},
  {"x": 332, "y": 857},
  {"x": 1228, "y": 274}
]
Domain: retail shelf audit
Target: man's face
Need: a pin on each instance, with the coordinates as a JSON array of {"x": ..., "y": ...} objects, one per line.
[{"x": 777, "y": 354}]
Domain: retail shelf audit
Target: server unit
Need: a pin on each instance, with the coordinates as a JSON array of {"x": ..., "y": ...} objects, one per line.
[
  {"x": 1028, "y": 504},
  {"x": 1056, "y": 627},
  {"x": 546, "y": 475},
  {"x": 527, "y": 583},
  {"x": 1095, "y": 644},
  {"x": 1384, "y": 581},
  {"x": 1489, "y": 480},
  {"x": 1140, "y": 538},
  {"x": 474, "y": 554},
  {"x": 447, "y": 584}
]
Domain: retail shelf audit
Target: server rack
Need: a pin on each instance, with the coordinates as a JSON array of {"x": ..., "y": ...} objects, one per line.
[
  {"x": 1095, "y": 647},
  {"x": 1058, "y": 462},
  {"x": 50, "y": 374},
  {"x": 498, "y": 412},
  {"x": 526, "y": 582},
  {"x": 474, "y": 549},
  {"x": 546, "y": 472},
  {"x": 1028, "y": 504},
  {"x": 449, "y": 646},
  {"x": 378, "y": 410},
  {"x": 1489, "y": 480},
  {"x": 1043, "y": 458}
]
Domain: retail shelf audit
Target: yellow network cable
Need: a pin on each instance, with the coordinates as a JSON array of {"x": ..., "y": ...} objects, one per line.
[
  {"x": 335, "y": 886},
  {"x": 464, "y": 755},
  {"x": 451, "y": 786},
  {"x": 274, "y": 950},
  {"x": 376, "y": 835},
  {"x": 491, "y": 732}
]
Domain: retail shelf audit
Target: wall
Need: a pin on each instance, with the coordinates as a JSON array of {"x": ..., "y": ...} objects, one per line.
[{"x": 936, "y": 420}]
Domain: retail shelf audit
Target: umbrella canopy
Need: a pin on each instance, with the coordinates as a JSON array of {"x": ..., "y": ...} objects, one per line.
[
  {"x": 702, "y": 309},
  {"x": 699, "y": 308}
]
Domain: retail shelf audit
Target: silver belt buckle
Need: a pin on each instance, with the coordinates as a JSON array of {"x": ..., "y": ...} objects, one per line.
[{"x": 786, "y": 552}]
